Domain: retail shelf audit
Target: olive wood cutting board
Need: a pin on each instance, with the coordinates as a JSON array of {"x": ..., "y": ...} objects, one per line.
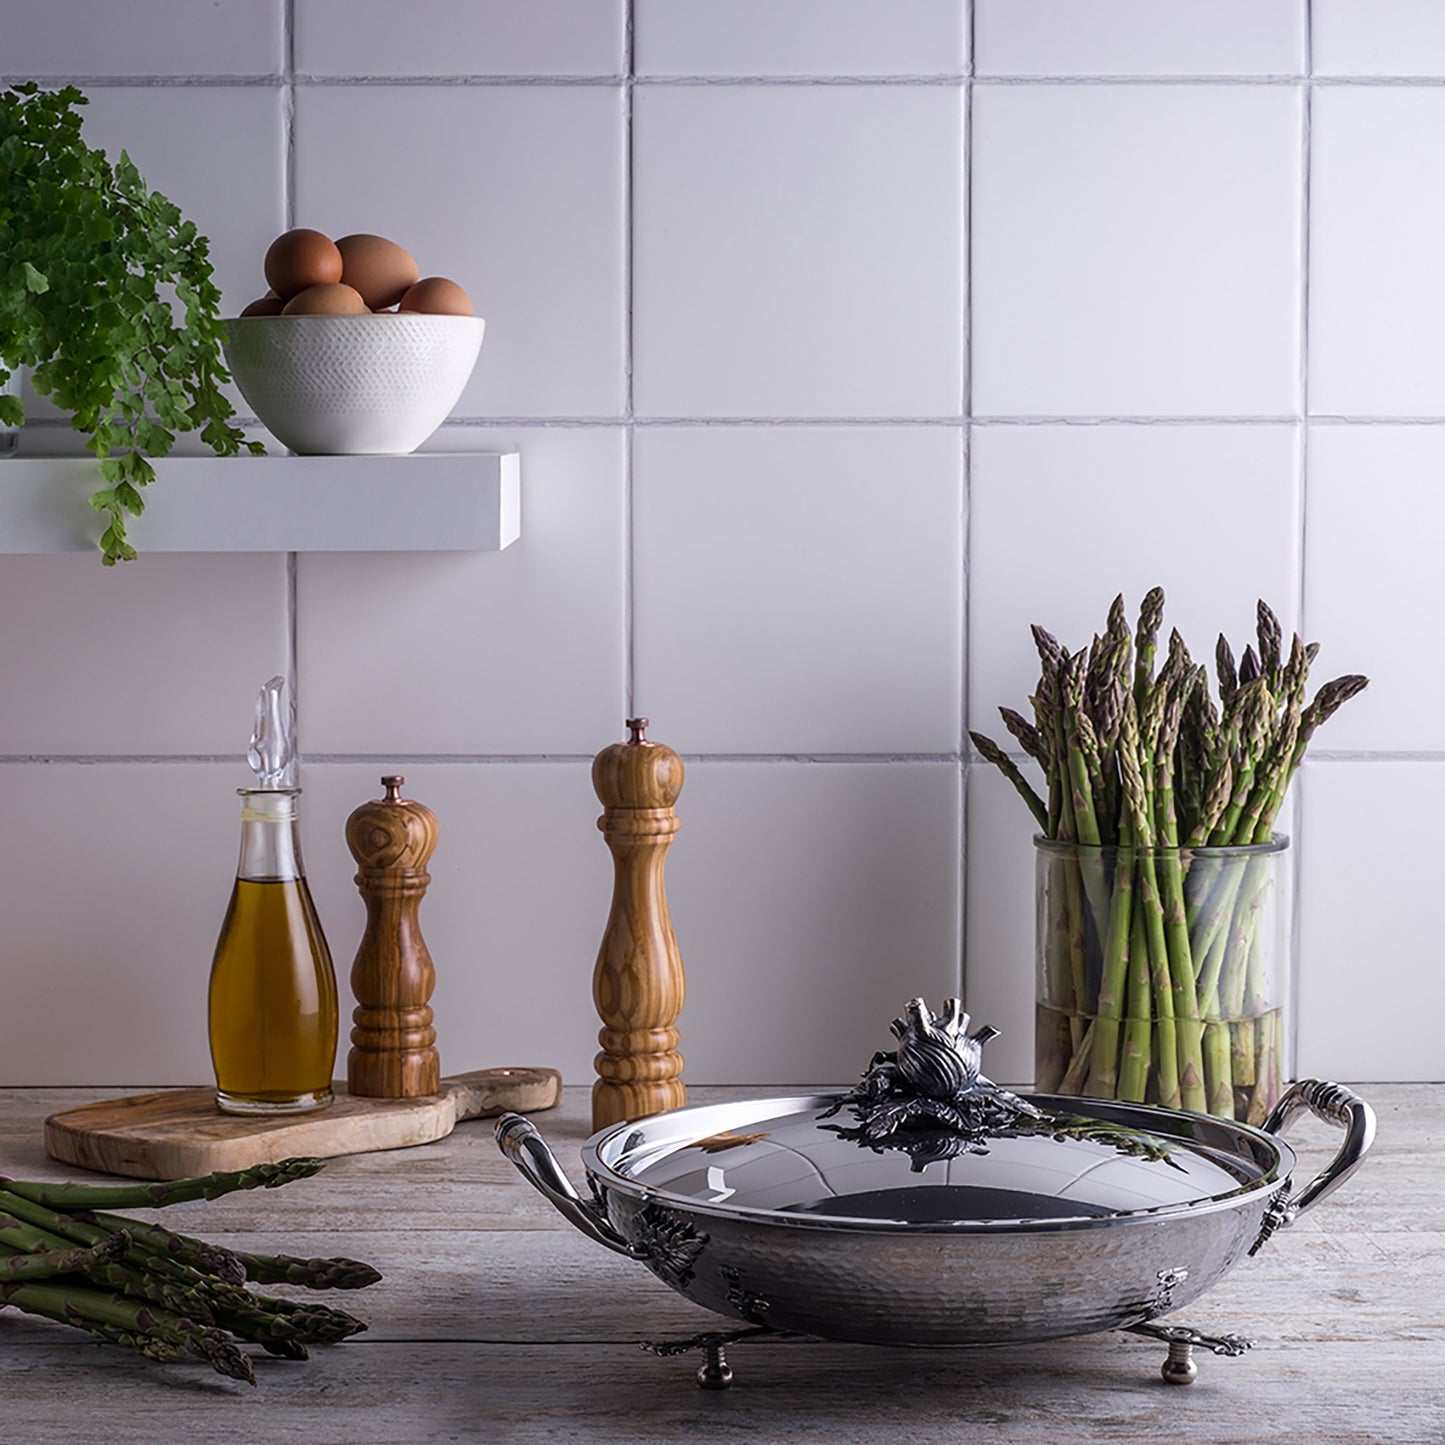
[{"x": 181, "y": 1133}]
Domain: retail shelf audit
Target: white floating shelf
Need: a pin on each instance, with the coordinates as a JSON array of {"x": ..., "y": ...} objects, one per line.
[{"x": 426, "y": 502}]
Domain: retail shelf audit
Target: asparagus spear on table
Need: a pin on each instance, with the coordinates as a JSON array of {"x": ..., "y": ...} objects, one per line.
[{"x": 64, "y": 1257}]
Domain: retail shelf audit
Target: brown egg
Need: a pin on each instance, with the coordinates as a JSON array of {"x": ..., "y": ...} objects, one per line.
[
  {"x": 379, "y": 269},
  {"x": 264, "y": 306},
  {"x": 437, "y": 296},
  {"x": 329, "y": 299},
  {"x": 301, "y": 258}
]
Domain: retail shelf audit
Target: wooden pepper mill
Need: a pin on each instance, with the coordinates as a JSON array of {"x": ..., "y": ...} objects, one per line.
[
  {"x": 638, "y": 984},
  {"x": 393, "y": 1044}
]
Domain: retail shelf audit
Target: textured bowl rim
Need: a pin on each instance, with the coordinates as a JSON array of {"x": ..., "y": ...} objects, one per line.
[{"x": 368, "y": 319}]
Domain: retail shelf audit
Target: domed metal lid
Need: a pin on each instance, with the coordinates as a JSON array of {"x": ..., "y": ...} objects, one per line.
[{"x": 926, "y": 1142}]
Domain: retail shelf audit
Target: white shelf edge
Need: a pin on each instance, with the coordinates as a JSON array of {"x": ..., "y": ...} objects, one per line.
[{"x": 425, "y": 502}]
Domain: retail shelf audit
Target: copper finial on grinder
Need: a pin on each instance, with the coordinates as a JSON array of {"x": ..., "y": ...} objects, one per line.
[{"x": 638, "y": 984}]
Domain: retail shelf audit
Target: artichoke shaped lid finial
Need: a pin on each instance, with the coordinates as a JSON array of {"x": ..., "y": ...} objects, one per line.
[
  {"x": 928, "y": 1096},
  {"x": 937, "y": 1057}
]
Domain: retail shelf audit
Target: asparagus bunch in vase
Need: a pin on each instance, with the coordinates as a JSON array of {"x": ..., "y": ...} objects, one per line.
[{"x": 1160, "y": 908}]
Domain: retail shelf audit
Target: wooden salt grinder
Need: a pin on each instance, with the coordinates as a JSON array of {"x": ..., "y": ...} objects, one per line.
[
  {"x": 638, "y": 983},
  {"x": 393, "y": 1044}
]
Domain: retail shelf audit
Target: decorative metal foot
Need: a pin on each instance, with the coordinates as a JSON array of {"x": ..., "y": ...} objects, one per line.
[
  {"x": 715, "y": 1373},
  {"x": 1179, "y": 1368}
]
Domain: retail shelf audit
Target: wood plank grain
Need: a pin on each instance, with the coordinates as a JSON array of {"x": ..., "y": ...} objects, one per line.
[{"x": 1103, "y": 1388}]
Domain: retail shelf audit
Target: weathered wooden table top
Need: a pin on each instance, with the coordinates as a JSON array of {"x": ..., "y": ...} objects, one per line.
[{"x": 497, "y": 1321}]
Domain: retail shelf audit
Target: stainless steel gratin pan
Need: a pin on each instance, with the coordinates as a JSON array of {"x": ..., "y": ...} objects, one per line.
[{"x": 928, "y": 1206}]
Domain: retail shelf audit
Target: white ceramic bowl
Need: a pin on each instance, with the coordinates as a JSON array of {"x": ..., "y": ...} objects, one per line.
[{"x": 352, "y": 385}]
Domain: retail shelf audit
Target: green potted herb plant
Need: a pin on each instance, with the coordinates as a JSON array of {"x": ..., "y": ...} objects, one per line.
[{"x": 95, "y": 270}]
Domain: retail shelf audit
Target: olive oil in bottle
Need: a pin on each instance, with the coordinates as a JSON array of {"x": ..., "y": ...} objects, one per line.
[{"x": 273, "y": 1001}]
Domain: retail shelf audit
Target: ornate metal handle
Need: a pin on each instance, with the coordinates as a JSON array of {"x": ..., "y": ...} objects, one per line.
[
  {"x": 524, "y": 1146},
  {"x": 1335, "y": 1104}
]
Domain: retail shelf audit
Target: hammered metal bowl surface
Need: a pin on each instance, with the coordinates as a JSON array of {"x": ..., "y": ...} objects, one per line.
[
  {"x": 939, "y": 1289},
  {"x": 352, "y": 385}
]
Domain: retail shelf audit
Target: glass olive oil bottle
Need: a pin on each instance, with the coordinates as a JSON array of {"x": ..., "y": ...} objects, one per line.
[{"x": 273, "y": 1011}]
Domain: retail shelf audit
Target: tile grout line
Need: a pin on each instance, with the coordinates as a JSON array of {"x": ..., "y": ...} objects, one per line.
[
  {"x": 470, "y": 759},
  {"x": 292, "y": 78},
  {"x": 1296, "y": 872},
  {"x": 966, "y": 758},
  {"x": 288, "y": 112},
  {"x": 1135, "y": 81},
  {"x": 1291, "y": 1001},
  {"x": 1306, "y": 165},
  {"x": 288, "y": 216},
  {"x": 557, "y": 423},
  {"x": 293, "y": 668},
  {"x": 629, "y": 552},
  {"x": 274, "y": 81},
  {"x": 966, "y": 505}
]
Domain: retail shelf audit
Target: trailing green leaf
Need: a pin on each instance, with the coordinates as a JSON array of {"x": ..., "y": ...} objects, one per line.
[{"x": 91, "y": 261}]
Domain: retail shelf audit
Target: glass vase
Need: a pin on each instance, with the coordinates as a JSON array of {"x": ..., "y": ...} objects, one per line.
[{"x": 1161, "y": 975}]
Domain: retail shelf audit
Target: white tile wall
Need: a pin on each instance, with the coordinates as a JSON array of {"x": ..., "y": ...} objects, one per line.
[
  {"x": 113, "y": 884},
  {"x": 1377, "y": 292},
  {"x": 227, "y": 178},
  {"x": 1064, "y": 517},
  {"x": 1381, "y": 37},
  {"x": 1374, "y": 587},
  {"x": 514, "y": 192},
  {"x": 1371, "y": 989},
  {"x": 832, "y": 874},
  {"x": 1136, "y": 250},
  {"x": 890, "y": 423},
  {"x": 811, "y": 901},
  {"x": 519, "y": 651},
  {"x": 1139, "y": 37},
  {"x": 999, "y": 919},
  {"x": 773, "y": 279},
  {"x": 103, "y": 661},
  {"x": 142, "y": 37},
  {"x": 521, "y": 884},
  {"x": 459, "y": 37},
  {"x": 801, "y": 37},
  {"x": 761, "y": 913},
  {"x": 799, "y": 589}
]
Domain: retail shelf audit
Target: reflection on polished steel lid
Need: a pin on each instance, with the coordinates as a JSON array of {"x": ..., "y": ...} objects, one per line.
[{"x": 1075, "y": 1160}]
